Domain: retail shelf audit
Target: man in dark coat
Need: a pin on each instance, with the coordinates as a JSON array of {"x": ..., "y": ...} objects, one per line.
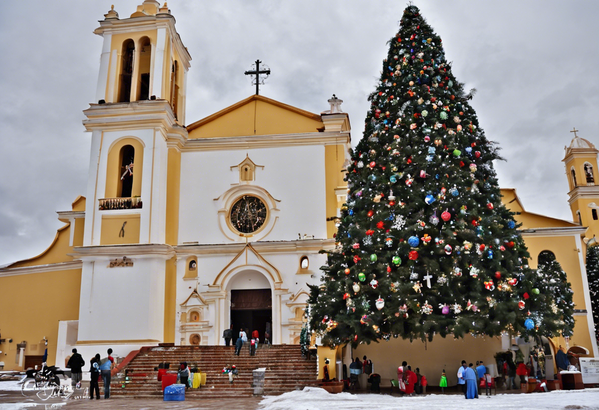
[
  {"x": 75, "y": 363},
  {"x": 228, "y": 335}
]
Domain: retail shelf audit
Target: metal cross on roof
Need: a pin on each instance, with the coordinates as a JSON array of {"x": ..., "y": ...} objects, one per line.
[
  {"x": 260, "y": 75},
  {"x": 574, "y": 130}
]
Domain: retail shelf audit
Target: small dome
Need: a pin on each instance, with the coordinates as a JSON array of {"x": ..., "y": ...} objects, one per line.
[{"x": 578, "y": 142}]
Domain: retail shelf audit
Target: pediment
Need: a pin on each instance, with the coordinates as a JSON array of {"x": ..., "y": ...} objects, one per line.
[
  {"x": 256, "y": 115},
  {"x": 194, "y": 300}
]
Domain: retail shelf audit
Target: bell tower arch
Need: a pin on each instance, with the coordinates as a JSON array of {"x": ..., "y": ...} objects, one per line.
[{"x": 143, "y": 58}]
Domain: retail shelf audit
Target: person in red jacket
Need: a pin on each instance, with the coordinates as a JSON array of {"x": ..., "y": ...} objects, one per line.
[
  {"x": 522, "y": 371},
  {"x": 256, "y": 337},
  {"x": 411, "y": 380}
]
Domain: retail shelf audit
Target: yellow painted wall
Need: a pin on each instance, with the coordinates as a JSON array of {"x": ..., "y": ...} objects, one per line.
[
  {"x": 111, "y": 227},
  {"x": 173, "y": 190},
  {"x": 31, "y": 307},
  {"x": 333, "y": 354},
  {"x": 256, "y": 117},
  {"x": 113, "y": 167},
  {"x": 57, "y": 251},
  {"x": 431, "y": 357},
  {"x": 566, "y": 253},
  {"x": 580, "y": 336},
  {"x": 334, "y": 159},
  {"x": 170, "y": 299}
]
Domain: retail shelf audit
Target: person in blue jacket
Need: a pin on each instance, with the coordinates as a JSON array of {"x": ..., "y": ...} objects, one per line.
[{"x": 471, "y": 382}]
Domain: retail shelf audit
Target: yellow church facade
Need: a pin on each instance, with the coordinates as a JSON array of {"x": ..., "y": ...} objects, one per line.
[{"x": 187, "y": 229}]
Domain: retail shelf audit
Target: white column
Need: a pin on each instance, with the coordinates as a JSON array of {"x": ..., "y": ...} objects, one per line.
[
  {"x": 135, "y": 75},
  {"x": 277, "y": 336},
  {"x": 158, "y": 68},
  {"x": 104, "y": 62}
]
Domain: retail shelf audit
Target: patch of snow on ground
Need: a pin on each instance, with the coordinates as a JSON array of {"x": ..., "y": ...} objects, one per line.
[{"x": 314, "y": 398}]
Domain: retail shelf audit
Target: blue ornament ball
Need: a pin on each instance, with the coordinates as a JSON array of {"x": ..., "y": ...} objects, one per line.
[
  {"x": 429, "y": 199},
  {"x": 393, "y": 179},
  {"x": 529, "y": 324},
  {"x": 511, "y": 225},
  {"x": 413, "y": 241},
  {"x": 351, "y": 212}
]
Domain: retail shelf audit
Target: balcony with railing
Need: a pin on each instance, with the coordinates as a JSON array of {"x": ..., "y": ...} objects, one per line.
[{"x": 106, "y": 204}]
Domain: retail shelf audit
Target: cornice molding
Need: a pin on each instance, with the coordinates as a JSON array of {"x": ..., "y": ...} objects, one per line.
[
  {"x": 133, "y": 115},
  {"x": 267, "y": 141},
  {"x": 52, "y": 267},
  {"x": 137, "y": 251},
  {"x": 298, "y": 246},
  {"x": 565, "y": 231},
  {"x": 583, "y": 191}
]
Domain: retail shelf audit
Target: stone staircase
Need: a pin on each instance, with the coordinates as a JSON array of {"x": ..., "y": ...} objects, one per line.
[{"x": 286, "y": 370}]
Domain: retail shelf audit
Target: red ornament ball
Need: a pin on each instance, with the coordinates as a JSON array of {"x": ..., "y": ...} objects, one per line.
[
  {"x": 347, "y": 271},
  {"x": 370, "y": 213},
  {"x": 490, "y": 205},
  {"x": 372, "y": 164},
  {"x": 446, "y": 216},
  {"x": 413, "y": 255},
  {"x": 498, "y": 275}
]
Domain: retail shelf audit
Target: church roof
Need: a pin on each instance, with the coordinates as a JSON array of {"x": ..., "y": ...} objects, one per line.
[
  {"x": 256, "y": 115},
  {"x": 530, "y": 220}
]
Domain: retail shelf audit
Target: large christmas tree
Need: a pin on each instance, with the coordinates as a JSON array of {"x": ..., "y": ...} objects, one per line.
[
  {"x": 424, "y": 244},
  {"x": 593, "y": 280}
]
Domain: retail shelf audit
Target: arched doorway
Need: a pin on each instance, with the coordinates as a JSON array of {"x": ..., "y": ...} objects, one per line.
[{"x": 250, "y": 295}]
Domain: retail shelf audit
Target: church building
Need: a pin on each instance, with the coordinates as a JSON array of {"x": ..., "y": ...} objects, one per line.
[{"x": 187, "y": 228}]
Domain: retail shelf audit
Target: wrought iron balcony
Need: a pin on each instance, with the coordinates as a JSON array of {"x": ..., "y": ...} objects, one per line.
[{"x": 119, "y": 203}]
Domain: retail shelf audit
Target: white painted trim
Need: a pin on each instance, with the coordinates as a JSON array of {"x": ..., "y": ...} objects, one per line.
[
  {"x": 104, "y": 69},
  {"x": 52, "y": 267}
]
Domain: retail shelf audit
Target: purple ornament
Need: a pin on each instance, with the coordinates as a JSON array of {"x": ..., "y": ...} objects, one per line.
[{"x": 445, "y": 310}]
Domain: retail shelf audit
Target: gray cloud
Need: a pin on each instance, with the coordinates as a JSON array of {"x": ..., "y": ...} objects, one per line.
[{"x": 532, "y": 63}]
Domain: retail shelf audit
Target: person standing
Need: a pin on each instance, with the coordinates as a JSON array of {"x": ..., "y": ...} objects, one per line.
[
  {"x": 94, "y": 374},
  {"x": 228, "y": 335},
  {"x": 461, "y": 380},
  {"x": 481, "y": 370},
  {"x": 241, "y": 339},
  {"x": 184, "y": 374},
  {"x": 76, "y": 363},
  {"x": 410, "y": 380},
  {"x": 443, "y": 381},
  {"x": 471, "y": 382},
  {"x": 106, "y": 366},
  {"x": 256, "y": 337}
]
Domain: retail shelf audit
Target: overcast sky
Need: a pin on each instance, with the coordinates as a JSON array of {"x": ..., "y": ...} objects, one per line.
[{"x": 534, "y": 64}]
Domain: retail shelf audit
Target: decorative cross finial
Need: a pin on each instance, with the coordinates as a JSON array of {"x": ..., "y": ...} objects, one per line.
[
  {"x": 259, "y": 79},
  {"x": 574, "y": 130}
]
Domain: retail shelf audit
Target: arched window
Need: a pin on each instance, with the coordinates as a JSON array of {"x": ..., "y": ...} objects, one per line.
[
  {"x": 545, "y": 257},
  {"x": 594, "y": 213},
  {"x": 145, "y": 60},
  {"x": 579, "y": 218},
  {"x": 126, "y": 161},
  {"x": 126, "y": 71},
  {"x": 573, "y": 177},
  {"x": 588, "y": 172}
]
